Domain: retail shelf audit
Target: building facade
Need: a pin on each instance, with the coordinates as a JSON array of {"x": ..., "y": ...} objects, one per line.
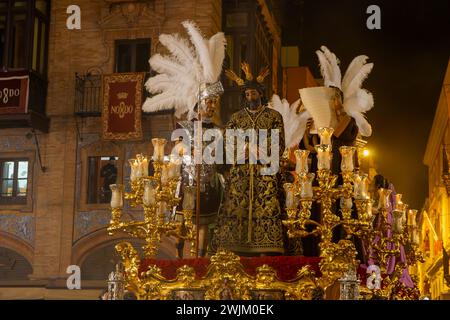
[
  {"x": 435, "y": 215},
  {"x": 54, "y": 208}
]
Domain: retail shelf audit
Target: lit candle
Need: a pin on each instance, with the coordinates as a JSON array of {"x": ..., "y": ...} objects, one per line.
[
  {"x": 415, "y": 237},
  {"x": 158, "y": 149},
  {"x": 144, "y": 166},
  {"x": 162, "y": 208},
  {"x": 189, "y": 197},
  {"x": 325, "y": 134},
  {"x": 369, "y": 209},
  {"x": 135, "y": 169},
  {"x": 149, "y": 195},
  {"x": 383, "y": 202},
  {"x": 346, "y": 203},
  {"x": 306, "y": 188},
  {"x": 347, "y": 154},
  {"x": 398, "y": 202},
  {"x": 290, "y": 197},
  {"x": 165, "y": 173},
  {"x": 175, "y": 167},
  {"x": 301, "y": 157},
  {"x": 364, "y": 185},
  {"x": 360, "y": 186},
  {"x": 138, "y": 163},
  {"x": 117, "y": 195},
  {"x": 323, "y": 157},
  {"x": 412, "y": 213},
  {"x": 398, "y": 224}
]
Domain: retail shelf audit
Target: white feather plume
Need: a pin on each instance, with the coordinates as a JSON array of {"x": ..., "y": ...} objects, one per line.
[
  {"x": 329, "y": 67},
  {"x": 357, "y": 100},
  {"x": 294, "y": 124},
  {"x": 202, "y": 47},
  {"x": 189, "y": 64},
  {"x": 158, "y": 83},
  {"x": 356, "y": 80},
  {"x": 178, "y": 47},
  {"x": 216, "y": 45},
  {"x": 352, "y": 69},
  {"x": 168, "y": 65}
]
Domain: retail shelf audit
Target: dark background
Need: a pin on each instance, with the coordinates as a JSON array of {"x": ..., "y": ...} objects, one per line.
[{"x": 410, "y": 55}]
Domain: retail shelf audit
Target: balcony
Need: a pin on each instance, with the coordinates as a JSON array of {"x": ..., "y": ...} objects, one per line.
[
  {"x": 22, "y": 100},
  {"x": 88, "y": 94}
]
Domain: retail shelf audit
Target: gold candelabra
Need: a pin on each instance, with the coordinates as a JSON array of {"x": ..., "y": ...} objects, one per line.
[
  {"x": 157, "y": 195},
  {"x": 395, "y": 228},
  {"x": 300, "y": 195}
]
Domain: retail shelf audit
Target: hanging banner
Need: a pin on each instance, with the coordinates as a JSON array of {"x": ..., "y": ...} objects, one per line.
[
  {"x": 122, "y": 101},
  {"x": 14, "y": 92}
]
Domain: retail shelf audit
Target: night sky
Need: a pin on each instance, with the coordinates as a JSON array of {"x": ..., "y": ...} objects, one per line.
[{"x": 410, "y": 55}]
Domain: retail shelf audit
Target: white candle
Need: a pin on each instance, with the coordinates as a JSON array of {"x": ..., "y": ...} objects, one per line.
[
  {"x": 323, "y": 157},
  {"x": 144, "y": 166},
  {"x": 346, "y": 203},
  {"x": 412, "y": 217},
  {"x": 149, "y": 196},
  {"x": 364, "y": 186},
  {"x": 290, "y": 198},
  {"x": 383, "y": 202},
  {"x": 162, "y": 208},
  {"x": 398, "y": 226},
  {"x": 306, "y": 188},
  {"x": 165, "y": 173},
  {"x": 398, "y": 202},
  {"x": 117, "y": 196},
  {"x": 189, "y": 197},
  {"x": 158, "y": 149},
  {"x": 301, "y": 157},
  {"x": 369, "y": 209},
  {"x": 175, "y": 167},
  {"x": 415, "y": 237},
  {"x": 325, "y": 134},
  {"x": 134, "y": 169},
  {"x": 360, "y": 186},
  {"x": 347, "y": 154}
]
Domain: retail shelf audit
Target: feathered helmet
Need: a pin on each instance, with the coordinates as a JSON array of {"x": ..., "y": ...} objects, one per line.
[
  {"x": 356, "y": 100},
  {"x": 250, "y": 82},
  {"x": 191, "y": 71}
]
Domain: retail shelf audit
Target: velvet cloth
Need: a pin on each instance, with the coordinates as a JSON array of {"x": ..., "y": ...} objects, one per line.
[{"x": 285, "y": 266}]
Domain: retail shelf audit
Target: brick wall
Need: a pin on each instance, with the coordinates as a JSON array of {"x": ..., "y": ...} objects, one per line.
[{"x": 90, "y": 49}]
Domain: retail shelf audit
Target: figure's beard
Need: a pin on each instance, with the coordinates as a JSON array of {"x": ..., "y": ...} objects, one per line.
[{"x": 254, "y": 104}]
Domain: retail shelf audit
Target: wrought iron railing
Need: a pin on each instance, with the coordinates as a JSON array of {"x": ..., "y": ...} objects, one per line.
[{"x": 88, "y": 95}]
